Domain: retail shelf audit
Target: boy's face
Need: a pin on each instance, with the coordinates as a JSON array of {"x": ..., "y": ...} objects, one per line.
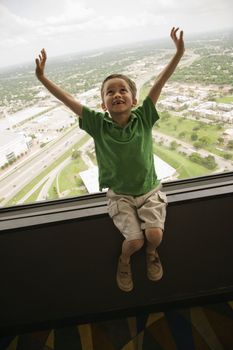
[{"x": 117, "y": 97}]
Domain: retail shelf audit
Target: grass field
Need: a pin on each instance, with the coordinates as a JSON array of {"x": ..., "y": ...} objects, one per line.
[
  {"x": 69, "y": 180},
  {"x": 184, "y": 167},
  {"x": 174, "y": 126},
  {"x": 183, "y": 129},
  {"x": 34, "y": 195},
  {"x": 225, "y": 99}
]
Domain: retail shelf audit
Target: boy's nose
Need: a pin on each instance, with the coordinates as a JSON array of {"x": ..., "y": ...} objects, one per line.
[{"x": 117, "y": 94}]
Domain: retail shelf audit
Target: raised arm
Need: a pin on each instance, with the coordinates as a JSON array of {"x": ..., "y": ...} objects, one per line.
[
  {"x": 171, "y": 66},
  {"x": 59, "y": 93}
]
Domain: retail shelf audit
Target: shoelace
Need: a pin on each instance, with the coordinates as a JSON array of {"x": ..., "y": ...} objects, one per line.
[
  {"x": 153, "y": 258},
  {"x": 125, "y": 273},
  {"x": 125, "y": 270}
]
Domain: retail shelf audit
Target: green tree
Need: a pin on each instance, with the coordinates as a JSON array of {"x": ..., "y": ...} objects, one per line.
[
  {"x": 182, "y": 134},
  {"x": 221, "y": 140},
  {"x": 209, "y": 162},
  {"x": 204, "y": 140},
  {"x": 75, "y": 154},
  {"x": 197, "y": 144},
  {"x": 227, "y": 156},
  {"x": 230, "y": 144},
  {"x": 195, "y": 157},
  {"x": 173, "y": 145},
  {"x": 194, "y": 136}
]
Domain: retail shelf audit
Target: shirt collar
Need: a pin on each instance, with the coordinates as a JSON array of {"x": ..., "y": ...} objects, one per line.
[{"x": 108, "y": 119}]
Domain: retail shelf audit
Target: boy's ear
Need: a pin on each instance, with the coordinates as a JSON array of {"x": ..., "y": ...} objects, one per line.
[
  {"x": 103, "y": 106},
  {"x": 135, "y": 101}
]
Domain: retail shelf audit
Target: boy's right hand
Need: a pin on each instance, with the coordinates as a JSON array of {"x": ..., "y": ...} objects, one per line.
[
  {"x": 178, "y": 41},
  {"x": 40, "y": 64}
]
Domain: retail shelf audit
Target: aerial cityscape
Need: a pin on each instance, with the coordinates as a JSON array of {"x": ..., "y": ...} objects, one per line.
[{"x": 44, "y": 155}]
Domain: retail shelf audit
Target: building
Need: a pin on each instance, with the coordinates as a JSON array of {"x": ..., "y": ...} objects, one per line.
[
  {"x": 55, "y": 120},
  {"x": 12, "y": 145}
]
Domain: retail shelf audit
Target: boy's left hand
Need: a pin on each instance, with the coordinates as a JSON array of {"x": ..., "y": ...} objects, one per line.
[
  {"x": 178, "y": 41},
  {"x": 40, "y": 63}
]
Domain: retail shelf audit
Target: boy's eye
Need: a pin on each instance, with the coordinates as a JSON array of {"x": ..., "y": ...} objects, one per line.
[{"x": 109, "y": 92}]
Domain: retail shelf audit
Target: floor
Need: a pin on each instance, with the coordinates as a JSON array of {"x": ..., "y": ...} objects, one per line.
[{"x": 198, "y": 328}]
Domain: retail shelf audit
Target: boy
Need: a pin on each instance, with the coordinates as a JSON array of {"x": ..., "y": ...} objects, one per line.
[{"x": 123, "y": 145}]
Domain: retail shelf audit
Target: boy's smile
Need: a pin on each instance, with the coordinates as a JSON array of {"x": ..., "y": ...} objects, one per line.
[{"x": 118, "y": 100}]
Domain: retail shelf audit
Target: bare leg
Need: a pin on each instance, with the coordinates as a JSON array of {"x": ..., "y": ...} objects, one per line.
[
  {"x": 130, "y": 247},
  {"x": 124, "y": 274},
  {"x": 154, "y": 268},
  {"x": 154, "y": 237}
]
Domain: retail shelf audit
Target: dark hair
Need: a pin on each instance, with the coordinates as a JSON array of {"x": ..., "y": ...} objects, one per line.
[{"x": 130, "y": 82}]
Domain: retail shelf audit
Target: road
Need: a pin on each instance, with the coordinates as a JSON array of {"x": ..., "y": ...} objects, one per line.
[
  {"x": 47, "y": 181},
  {"x": 83, "y": 150},
  {"x": 24, "y": 173}
]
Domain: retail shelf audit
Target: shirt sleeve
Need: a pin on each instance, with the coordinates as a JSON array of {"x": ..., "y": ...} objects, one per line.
[
  {"x": 147, "y": 112},
  {"x": 91, "y": 121}
]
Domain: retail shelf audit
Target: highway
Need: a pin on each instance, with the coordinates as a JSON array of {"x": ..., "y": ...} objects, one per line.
[{"x": 25, "y": 172}]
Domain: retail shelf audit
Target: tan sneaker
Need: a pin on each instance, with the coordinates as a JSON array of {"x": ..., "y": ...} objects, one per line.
[
  {"x": 124, "y": 276},
  {"x": 154, "y": 267}
]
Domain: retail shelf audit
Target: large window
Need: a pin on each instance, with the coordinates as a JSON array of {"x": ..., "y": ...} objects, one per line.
[{"x": 43, "y": 153}]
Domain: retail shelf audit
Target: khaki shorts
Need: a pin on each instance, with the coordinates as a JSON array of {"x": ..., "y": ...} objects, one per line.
[{"x": 131, "y": 214}]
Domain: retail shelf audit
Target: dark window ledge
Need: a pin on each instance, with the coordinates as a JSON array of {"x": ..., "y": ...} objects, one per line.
[{"x": 55, "y": 254}]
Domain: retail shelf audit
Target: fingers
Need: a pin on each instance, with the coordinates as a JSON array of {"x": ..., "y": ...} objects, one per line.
[
  {"x": 174, "y": 32},
  {"x": 40, "y": 63},
  {"x": 42, "y": 57}
]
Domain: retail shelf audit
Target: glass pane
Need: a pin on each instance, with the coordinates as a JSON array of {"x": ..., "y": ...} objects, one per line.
[{"x": 44, "y": 155}]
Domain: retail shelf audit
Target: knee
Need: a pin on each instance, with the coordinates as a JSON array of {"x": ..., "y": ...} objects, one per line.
[
  {"x": 135, "y": 244},
  {"x": 154, "y": 235}
]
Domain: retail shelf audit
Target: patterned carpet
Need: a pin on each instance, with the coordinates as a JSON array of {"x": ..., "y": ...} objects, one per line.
[{"x": 197, "y": 328}]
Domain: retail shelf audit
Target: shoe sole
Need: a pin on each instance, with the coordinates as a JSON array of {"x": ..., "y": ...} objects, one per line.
[
  {"x": 123, "y": 288},
  {"x": 158, "y": 277}
]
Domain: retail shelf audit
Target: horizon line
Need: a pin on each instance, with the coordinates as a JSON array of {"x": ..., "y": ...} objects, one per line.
[{"x": 112, "y": 47}]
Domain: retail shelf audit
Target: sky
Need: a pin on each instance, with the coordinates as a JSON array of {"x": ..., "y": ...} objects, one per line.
[{"x": 67, "y": 26}]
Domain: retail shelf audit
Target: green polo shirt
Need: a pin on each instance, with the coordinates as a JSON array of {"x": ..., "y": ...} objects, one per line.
[{"x": 124, "y": 154}]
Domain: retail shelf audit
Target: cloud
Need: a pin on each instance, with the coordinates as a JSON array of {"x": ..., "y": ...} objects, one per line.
[
  {"x": 20, "y": 30},
  {"x": 74, "y": 12},
  {"x": 11, "y": 23},
  {"x": 83, "y": 24},
  {"x": 71, "y": 16},
  {"x": 121, "y": 23},
  {"x": 8, "y": 42},
  {"x": 14, "y": 28},
  {"x": 185, "y": 7}
]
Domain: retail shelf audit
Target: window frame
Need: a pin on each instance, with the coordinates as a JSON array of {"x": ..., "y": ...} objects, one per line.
[{"x": 90, "y": 205}]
